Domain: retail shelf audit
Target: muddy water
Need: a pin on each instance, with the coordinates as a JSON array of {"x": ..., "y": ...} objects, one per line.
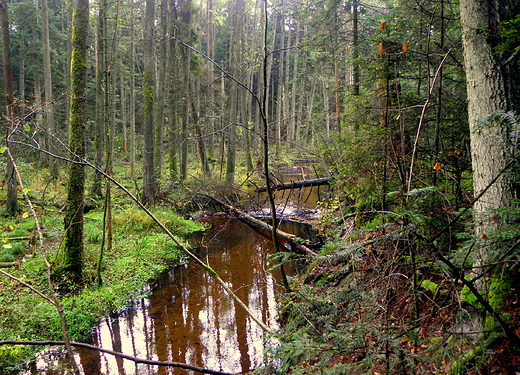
[
  {"x": 187, "y": 317},
  {"x": 290, "y": 200}
]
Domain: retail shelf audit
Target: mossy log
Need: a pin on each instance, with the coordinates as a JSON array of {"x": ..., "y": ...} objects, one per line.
[
  {"x": 8, "y": 264},
  {"x": 296, "y": 184},
  {"x": 296, "y": 242}
]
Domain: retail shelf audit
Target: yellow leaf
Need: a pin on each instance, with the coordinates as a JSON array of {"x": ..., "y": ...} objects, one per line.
[
  {"x": 7, "y": 246},
  {"x": 11, "y": 227},
  {"x": 25, "y": 215}
]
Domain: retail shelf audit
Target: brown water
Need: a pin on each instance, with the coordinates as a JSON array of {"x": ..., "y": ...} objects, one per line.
[{"x": 187, "y": 317}]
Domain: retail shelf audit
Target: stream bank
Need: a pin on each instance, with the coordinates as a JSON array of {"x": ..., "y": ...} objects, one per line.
[{"x": 187, "y": 318}]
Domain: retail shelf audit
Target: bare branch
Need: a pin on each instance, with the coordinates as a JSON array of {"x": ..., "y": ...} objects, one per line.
[{"x": 121, "y": 355}]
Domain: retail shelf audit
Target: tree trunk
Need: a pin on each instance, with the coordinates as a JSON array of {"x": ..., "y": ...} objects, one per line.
[
  {"x": 99, "y": 124},
  {"x": 161, "y": 90},
  {"x": 12, "y": 200},
  {"x": 487, "y": 96},
  {"x": 73, "y": 244},
  {"x": 185, "y": 33},
  {"x": 47, "y": 74},
  {"x": 492, "y": 90},
  {"x": 132, "y": 93},
  {"x": 149, "y": 101},
  {"x": 354, "y": 78}
]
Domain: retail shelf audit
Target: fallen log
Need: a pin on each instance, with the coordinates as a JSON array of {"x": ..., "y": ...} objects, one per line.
[
  {"x": 8, "y": 264},
  {"x": 296, "y": 184},
  {"x": 294, "y": 240}
]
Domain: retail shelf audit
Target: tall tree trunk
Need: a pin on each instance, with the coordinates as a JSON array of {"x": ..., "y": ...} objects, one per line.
[
  {"x": 185, "y": 33},
  {"x": 12, "y": 200},
  {"x": 99, "y": 122},
  {"x": 236, "y": 47},
  {"x": 492, "y": 89},
  {"x": 132, "y": 93},
  {"x": 73, "y": 245},
  {"x": 354, "y": 79},
  {"x": 280, "y": 87},
  {"x": 487, "y": 96},
  {"x": 161, "y": 90},
  {"x": 47, "y": 74},
  {"x": 294, "y": 115},
  {"x": 173, "y": 100},
  {"x": 149, "y": 101}
]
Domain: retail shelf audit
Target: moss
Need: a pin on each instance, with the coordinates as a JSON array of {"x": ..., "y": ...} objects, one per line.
[
  {"x": 467, "y": 361},
  {"x": 499, "y": 290}
]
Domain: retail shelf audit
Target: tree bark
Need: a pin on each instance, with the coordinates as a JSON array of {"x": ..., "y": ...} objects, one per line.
[
  {"x": 132, "y": 93},
  {"x": 47, "y": 74},
  {"x": 149, "y": 102},
  {"x": 487, "y": 96},
  {"x": 12, "y": 200},
  {"x": 73, "y": 246},
  {"x": 99, "y": 123},
  {"x": 161, "y": 90},
  {"x": 296, "y": 184}
]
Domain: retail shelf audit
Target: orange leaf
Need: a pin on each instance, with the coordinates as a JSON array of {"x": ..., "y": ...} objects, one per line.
[
  {"x": 437, "y": 166},
  {"x": 382, "y": 25},
  {"x": 380, "y": 47},
  {"x": 484, "y": 235},
  {"x": 405, "y": 47},
  {"x": 38, "y": 211},
  {"x": 55, "y": 213},
  {"x": 346, "y": 48}
]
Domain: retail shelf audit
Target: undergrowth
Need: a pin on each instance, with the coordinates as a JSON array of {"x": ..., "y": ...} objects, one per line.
[{"x": 379, "y": 301}]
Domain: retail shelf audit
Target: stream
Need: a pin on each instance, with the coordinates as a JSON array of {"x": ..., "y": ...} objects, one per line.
[{"x": 187, "y": 317}]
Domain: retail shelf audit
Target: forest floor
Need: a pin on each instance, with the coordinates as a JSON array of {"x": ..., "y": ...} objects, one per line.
[{"x": 376, "y": 300}]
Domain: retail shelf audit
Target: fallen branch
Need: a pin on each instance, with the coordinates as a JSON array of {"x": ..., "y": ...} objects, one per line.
[
  {"x": 296, "y": 184},
  {"x": 295, "y": 241},
  {"x": 8, "y": 264},
  {"x": 120, "y": 355}
]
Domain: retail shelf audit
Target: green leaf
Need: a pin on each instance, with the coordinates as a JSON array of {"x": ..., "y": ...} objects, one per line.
[
  {"x": 27, "y": 128},
  {"x": 3, "y": 149}
]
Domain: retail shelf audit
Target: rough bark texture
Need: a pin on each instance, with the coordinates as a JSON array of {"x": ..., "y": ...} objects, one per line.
[
  {"x": 47, "y": 73},
  {"x": 73, "y": 253},
  {"x": 99, "y": 125},
  {"x": 487, "y": 96},
  {"x": 149, "y": 115},
  {"x": 161, "y": 90},
  {"x": 12, "y": 202}
]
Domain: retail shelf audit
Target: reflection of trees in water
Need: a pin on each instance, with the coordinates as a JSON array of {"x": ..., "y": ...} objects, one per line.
[{"x": 188, "y": 317}]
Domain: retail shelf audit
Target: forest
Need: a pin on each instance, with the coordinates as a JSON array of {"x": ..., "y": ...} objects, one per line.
[{"x": 124, "y": 121}]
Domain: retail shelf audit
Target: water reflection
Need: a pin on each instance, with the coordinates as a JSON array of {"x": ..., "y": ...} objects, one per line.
[{"x": 188, "y": 318}]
